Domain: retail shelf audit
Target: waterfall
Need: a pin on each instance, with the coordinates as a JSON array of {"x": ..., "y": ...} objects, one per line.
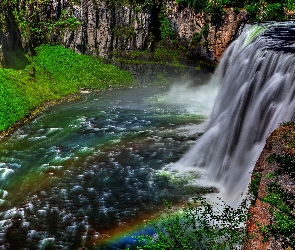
[{"x": 257, "y": 93}]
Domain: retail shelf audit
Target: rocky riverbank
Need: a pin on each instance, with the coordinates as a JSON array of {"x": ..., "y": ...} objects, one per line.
[{"x": 271, "y": 222}]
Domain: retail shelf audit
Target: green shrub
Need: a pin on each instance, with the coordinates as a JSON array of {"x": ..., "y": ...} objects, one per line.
[
  {"x": 215, "y": 10},
  {"x": 261, "y": 10},
  {"x": 233, "y": 3},
  {"x": 254, "y": 184},
  {"x": 197, "y": 37},
  {"x": 201, "y": 225},
  {"x": 253, "y": 11},
  {"x": 291, "y": 5},
  {"x": 165, "y": 26},
  {"x": 274, "y": 11},
  {"x": 282, "y": 210},
  {"x": 197, "y": 5},
  {"x": 286, "y": 162},
  {"x": 281, "y": 202}
]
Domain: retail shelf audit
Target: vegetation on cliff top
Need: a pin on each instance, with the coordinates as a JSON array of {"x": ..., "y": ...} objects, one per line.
[
  {"x": 53, "y": 73},
  {"x": 262, "y": 10}
]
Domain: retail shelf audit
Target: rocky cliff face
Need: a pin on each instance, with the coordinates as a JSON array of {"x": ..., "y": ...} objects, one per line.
[
  {"x": 271, "y": 221},
  {"x": 186, "y": 23},
  {"x": 101, "y": 28},
  {"x": 10, "y": 37},
  {"x": 125, "y": 28},
  {"x": 106, "y": 28}
]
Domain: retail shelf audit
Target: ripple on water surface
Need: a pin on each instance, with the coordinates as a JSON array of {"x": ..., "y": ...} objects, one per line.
[{"x": 85, "y": 171}]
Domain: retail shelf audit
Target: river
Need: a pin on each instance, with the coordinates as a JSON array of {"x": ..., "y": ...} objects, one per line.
[{"x": 88, "y": 172}]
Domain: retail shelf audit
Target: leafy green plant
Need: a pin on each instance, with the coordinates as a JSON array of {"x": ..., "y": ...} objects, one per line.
[
  {"x": 287, "y": 124},
  {"x": 234, "y": 3},
  {"x": 197, "y": 5},
  {"x": 286, "y": 162},
  {"x": 253, "y": 11},
  {"x": 274, "y": 11},
  {"x": 281, "y": 202},
  {"x": 291, "y": 5},
  {"x": 282, "y": 210},
  {"x": 270, "y": 175},
  {"x": 261, "y": 10},
  {"x": 197, "y": 37},
  {"x": 254, "y": 184},
  {"x": 215, "y": 10},
  {"x": 165, "y": 26},
  {"x": 200, "y": 225}
]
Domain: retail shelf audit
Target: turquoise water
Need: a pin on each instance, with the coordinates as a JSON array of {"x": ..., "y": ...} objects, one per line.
[{"x": 86, "y": 172}]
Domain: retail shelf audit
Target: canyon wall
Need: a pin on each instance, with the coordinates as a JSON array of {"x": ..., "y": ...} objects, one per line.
[
  {"x": 105, "y": 29},
  {"x": 121, "y": 28}
]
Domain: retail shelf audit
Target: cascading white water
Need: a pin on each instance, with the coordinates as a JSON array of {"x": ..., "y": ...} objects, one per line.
[{"x": 257, "y": 93}]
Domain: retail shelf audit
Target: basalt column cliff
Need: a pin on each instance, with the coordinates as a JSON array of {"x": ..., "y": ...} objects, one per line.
[{"x": 110, "y": 29}]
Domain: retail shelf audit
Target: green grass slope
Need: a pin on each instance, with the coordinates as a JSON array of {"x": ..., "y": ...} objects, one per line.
[{"x": 50, "y": 75}]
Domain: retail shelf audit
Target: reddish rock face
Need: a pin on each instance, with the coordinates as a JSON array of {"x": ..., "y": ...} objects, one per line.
[
  {"x": 221, "y": 36},
  {"x": 259, "y": 214},
  {"x": 186, "y": 23},
  {"x": 278, "y": 143}
]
